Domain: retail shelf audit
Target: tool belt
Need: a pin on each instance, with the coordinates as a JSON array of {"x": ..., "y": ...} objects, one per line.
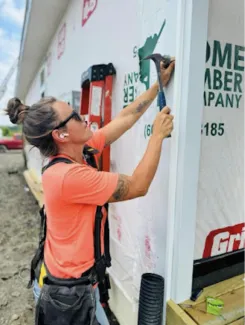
[
  {"x": 67, "y": 305},
  {"x": 71, "y": 301}
]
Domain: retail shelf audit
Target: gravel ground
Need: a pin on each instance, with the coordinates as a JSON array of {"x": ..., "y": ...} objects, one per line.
[{"x": 19, "y": 221}]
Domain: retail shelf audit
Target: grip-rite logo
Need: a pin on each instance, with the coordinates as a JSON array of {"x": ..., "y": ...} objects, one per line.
[
  {"x": 225, "y": 240},
  {"x": 89, "y": 7}
]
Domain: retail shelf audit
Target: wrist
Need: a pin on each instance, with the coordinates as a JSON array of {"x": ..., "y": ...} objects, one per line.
[
  {"x": 157, "y": 138},
  {"x": 155, "y": 86},
  {"x": 153, "y": 91}
]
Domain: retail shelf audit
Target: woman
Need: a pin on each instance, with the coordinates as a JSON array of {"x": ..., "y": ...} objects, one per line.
[{"x": 73, "y": 191}]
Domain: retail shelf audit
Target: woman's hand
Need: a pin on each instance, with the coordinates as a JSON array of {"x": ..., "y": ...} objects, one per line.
[
  {"x": 167, "y": 73},
  {"x": 163, "y": 124}
]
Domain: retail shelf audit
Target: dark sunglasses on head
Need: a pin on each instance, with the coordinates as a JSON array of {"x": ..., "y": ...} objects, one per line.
[{"x": 74, "y": 115}]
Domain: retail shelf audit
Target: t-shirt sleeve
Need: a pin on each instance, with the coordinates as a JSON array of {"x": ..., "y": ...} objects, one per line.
[
  {"x": 97, "y": 141},
  {"x": 86, "y": 185}
]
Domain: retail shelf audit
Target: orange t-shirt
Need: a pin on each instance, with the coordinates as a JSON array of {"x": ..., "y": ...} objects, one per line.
[{"x": 71, "y": 195}]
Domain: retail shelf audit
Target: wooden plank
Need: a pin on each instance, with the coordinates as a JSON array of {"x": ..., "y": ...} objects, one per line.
[
  {"x": 177, "y": 316},
  {"x": 233, "y": 310},
  {"x": 240, "y": 321},
  {"x": 219, "y": 289},
  {"x": 34, "y": 187},
  {"x": 36, "y": 179}
]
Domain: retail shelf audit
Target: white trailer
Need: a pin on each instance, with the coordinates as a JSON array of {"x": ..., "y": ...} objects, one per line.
[{"x": 194, "y": 210}]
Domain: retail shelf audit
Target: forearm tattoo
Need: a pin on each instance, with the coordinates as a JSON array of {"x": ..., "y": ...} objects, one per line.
[
  {"x": 142, "y": 105},
  {"x": 122, "y": 188}
]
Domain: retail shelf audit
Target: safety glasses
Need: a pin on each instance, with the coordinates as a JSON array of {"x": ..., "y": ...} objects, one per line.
[{"x": 74, "y": 115}]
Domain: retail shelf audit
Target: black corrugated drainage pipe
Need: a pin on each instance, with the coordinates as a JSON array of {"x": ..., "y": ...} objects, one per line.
[{"x": 151, "y": 299}]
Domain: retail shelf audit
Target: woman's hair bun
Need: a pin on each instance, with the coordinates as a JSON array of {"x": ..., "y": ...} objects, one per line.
[{"x": 16, "y": 110}]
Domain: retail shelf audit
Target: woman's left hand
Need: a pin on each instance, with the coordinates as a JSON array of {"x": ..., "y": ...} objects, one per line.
[{"x": 167, "y": 73}]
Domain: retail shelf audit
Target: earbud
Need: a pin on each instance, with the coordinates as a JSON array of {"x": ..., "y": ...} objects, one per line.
[{"x": 63, "y": 135}]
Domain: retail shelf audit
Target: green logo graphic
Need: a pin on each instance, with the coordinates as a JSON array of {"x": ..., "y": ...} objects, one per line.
[
  {"x": 130, "y": 88},
  {"x": 147, "y": 49}
]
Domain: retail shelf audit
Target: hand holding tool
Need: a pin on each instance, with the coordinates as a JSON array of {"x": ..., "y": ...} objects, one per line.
[{"x": 165, "y": 60}]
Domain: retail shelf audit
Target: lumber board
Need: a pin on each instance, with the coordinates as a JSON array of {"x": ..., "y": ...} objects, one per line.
[
  {"x": 36, "y": 179},
  {"x": 219, "y": 289},
  {"x": 177, "y": 316},
  {"x": 233, "y": 310},
  {"x": 34, "y": 187}
]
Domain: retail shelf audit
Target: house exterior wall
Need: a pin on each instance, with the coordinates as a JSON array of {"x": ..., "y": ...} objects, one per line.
[
  {"x": 115, "y": 32},
  {"x": 118, "y": 32}
]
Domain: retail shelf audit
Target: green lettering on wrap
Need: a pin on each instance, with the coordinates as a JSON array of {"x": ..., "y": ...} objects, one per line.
[
  {"x": 208, "y": 78},
  {"x": 239, "y": 58},
  {"x": 210, "y": 97},
  {"x": 223, "y": 58},
  {"x": 229, "y": 101},
  {"x": 217, "y": 85},
  {"x": 219, "y": 100},
  {"x": 238, "y": 82},
  {"x": 228, "y": 80}
]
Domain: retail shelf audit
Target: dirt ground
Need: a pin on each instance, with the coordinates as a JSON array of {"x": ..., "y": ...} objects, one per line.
[{"x": 19, "y": 224}]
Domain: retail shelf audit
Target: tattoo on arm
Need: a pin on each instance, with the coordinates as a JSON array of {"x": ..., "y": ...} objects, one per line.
[
  {"x": 142, "y": 105},
  {"x": 122, "y": 188}
]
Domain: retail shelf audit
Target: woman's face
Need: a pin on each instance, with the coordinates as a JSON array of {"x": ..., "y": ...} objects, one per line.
[{"x": 78, "y": 131}]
